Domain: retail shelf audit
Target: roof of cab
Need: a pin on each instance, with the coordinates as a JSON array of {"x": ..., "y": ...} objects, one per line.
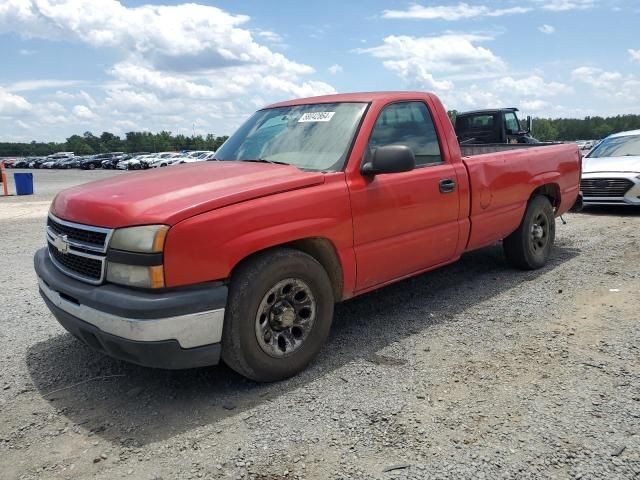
[
  {"x": 628, "y": 133},
  {"x": 365, "y": 97},
  {"x": 487, "y": 111}
]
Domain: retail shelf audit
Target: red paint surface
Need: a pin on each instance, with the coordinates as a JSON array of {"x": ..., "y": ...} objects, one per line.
[{"x": 382, "y": 229}]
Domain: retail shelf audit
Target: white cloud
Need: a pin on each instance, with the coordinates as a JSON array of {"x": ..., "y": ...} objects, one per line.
[
  {"x": 596, "y": 77},
  {"x": 271, "y": 37},
  {"x": 470, "y": 97},
  {"x": 417, "y": 59},
  {"x": 177, "y": 58},
  {"x": 451, "y": 12},
  {"x": 548, "y": 29},
  {"x": 635, "y": 55},
  {"x": 533, "y": 86},
  {"x": 566, "y": 5},
  {"x": 83, "y": 112},
  {"x": 26, "y": 85},
  {"x": 535, "y": 105},
  {"x": 182, "y": 37},
  {"x": 12, "y": 104},
  {"x": 335, "y": 69}
]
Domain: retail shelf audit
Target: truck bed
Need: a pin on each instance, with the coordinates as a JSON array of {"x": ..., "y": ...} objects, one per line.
[
  {"x": 502, "y": 180},
  {"x": 471, "y": 149}
]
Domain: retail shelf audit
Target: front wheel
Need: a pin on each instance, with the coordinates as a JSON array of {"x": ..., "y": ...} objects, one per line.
[
  {"x": 278, "y": 315},
  {"x": 529, "y": 247}
]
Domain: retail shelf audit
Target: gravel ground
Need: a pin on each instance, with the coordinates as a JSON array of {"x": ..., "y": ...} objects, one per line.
[{"x": 472, "y": 371}]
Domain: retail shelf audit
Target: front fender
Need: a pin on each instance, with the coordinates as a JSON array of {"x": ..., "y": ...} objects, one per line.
[{"x": 208, "y": 246}]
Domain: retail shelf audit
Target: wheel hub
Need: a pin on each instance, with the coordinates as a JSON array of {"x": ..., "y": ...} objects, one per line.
[
  {"x": 285, "y": 317},
  {"x": 282, "y": 316},
  {"x": 537, "y": 232}
]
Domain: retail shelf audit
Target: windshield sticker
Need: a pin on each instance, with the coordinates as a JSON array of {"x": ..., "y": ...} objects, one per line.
[{"x": 316, "y": 117}]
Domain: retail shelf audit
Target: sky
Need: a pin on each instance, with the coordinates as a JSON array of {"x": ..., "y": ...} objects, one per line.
[{"x": 70, "y": 66}]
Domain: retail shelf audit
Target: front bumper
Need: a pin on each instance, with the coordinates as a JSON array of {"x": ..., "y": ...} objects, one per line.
[
  {"x": 171, "y": 329},
  {"x": 630, "y": 197}
]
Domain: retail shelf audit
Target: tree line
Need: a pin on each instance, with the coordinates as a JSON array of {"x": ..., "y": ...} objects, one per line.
[
  {"x": 590, "y": 128},
  {"x": 88, "y": 144}
]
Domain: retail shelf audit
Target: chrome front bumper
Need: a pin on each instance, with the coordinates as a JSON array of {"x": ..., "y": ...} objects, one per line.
[
  {"x": 191, "y": 330},
  {"x": 179, "y": 328}
]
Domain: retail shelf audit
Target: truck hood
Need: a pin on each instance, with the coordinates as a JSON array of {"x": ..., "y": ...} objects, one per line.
[
  {"x": 611, "y": 164},
  {"x": 169, "y": 195}
]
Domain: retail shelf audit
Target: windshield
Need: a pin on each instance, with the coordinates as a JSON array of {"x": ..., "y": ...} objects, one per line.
[
  {"x": 628, "y": 146},
  {"x": 310, "y": 137}
]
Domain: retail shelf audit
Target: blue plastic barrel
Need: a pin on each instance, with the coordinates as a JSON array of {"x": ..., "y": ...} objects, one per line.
[{"x": 24, "y": 183}]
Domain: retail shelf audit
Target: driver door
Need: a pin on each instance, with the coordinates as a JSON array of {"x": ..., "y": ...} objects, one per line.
[{"x": 404, "y": 222}]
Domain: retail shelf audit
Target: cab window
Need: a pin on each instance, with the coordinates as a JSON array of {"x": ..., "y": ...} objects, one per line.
[
  {"x": 410, "y": 124},
  {"x": 511, "y": 123}
]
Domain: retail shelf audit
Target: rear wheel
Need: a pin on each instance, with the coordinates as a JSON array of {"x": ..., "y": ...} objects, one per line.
[
  {"x": 278, "y": 315},
  {"x": 529, "y": 247},
  {"x": 92, "y": 166}
]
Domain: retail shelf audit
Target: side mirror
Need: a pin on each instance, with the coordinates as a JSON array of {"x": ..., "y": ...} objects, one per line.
[
  {"x": 529, "y": 124},
  {"x": 390, "y": 159}
]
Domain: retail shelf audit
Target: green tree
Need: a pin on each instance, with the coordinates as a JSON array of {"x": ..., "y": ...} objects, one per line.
[
  {"x": 78, "y": 145},
  {"x": 544, "y": 130}
]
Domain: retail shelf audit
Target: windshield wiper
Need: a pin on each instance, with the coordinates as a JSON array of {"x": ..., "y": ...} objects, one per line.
[{"x": 264, "y": 160}]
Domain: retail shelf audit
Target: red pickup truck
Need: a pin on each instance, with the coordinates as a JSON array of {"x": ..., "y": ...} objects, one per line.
[{"x": 310, "y": 202}]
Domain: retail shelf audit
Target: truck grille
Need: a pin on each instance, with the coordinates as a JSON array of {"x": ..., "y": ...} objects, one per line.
[
  {"x": 78, "y": 250},
  {"x": 605, "y": 187},
  {"x": 85, "y": 267}
]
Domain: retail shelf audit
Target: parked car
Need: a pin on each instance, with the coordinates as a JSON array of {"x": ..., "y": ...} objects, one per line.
[
  {"x": 49, "y": 164},
  {"x": 199, "y": 157},
  {"x": 66, "y": 163},
  {"x": 36, "y": 162},
  {"x": 8, "y": 162},
  {"x": 91, "y": 163},
  {"x": 134, "y": 163},
  {"x": 611, "y": 171},
  {"x": 21, "y": 163},
  {"x": 245, "y": 257},
  {"x": 95, "y": 161},
  {"x": 163, "y": 159},
  {"x": 111, "y": 162}
]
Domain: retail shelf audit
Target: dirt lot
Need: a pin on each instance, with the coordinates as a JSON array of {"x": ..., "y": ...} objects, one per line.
[{"x": 473, "y": 371}]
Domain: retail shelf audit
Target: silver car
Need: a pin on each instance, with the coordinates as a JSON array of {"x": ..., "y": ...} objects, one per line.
[{"x": 611, "y": 171}]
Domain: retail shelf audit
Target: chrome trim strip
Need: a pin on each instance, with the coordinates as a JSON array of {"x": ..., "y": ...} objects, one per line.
[
  {"x": 80, "y": 226},
  {"x": 192, "y": 330},
  {"x": 75, "y": 243}
]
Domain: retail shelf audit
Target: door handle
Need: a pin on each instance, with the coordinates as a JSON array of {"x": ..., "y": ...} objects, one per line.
[{"x": 447, "y": 185}]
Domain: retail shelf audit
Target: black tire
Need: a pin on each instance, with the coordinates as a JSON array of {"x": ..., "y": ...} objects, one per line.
[
  {"x": 250, "y": 285},
  {"x": 92, "y": 166},
  {"x": 529, "y": 247}
]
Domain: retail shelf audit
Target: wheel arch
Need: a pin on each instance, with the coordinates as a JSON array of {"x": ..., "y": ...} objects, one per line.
[
  {"x": 319, "y": 248},
  {"x": 549, "y": 190}
]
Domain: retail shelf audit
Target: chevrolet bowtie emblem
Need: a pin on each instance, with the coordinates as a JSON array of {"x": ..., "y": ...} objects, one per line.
[{"x": 61, "y": 242}]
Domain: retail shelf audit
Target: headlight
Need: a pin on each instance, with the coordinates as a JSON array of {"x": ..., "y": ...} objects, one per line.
[
  {"x": 145, "y": 239},
  {"x": 136, "y": 275},
  {"x": 135, "y": 256}
]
